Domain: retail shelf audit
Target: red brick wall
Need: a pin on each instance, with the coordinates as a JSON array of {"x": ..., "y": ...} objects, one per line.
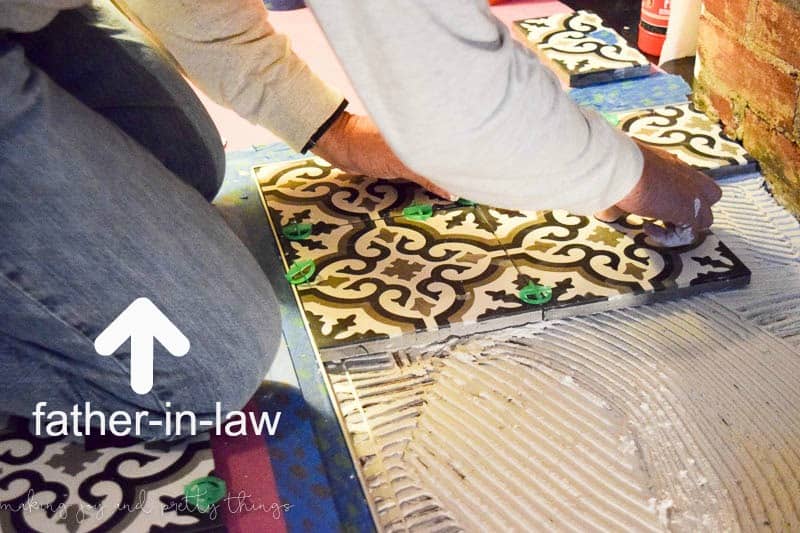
[{"x": 749, "y": 57}]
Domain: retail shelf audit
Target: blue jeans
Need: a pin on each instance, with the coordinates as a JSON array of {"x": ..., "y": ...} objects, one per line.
[{"x": 107, "y": 165}]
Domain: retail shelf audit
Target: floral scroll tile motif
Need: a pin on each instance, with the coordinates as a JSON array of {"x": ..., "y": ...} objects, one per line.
[
  {"x": 691, "y": 136},
  {"x": 311, "y": 190},
  {"x": 395, "y": 277},
  {"x": 102, "y": 484},
  {"x": 581, "y": 49},
  {"x": 607, "y": 265}
]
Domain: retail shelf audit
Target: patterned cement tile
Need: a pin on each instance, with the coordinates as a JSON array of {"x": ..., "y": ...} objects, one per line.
[
  {"x": 387, "y": 282},
  {"x": 689, "y": 134},
  {"x": 592, "y": 266},
  {"x": 310, "y": 190},
  {"x": 581, "y": 49},
  {"x": 56, "y": 485}
]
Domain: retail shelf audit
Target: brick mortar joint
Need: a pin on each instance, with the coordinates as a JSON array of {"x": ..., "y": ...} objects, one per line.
[
  {"x": 797, "y": 116},
  {"x": 707, "y": 86},
  {"x": 753, "y": 46},
  {"x": 776, "y": 160},
  {"x": 749, "y": 23},
  {"x": 711, "y": 84},
  {"x": 739, "y": 108}
]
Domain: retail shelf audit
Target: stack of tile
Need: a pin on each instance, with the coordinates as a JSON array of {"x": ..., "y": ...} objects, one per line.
[
  {"x": 650, "y": 106},
  {"x": 581, "y": 49}
]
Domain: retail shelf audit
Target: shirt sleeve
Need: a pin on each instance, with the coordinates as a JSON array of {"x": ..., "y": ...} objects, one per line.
[
  {"x": 464, "y": 104},
  {"x": 230, "y": 50}
]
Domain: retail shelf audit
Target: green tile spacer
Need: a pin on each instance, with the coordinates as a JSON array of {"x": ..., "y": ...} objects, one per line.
[
  {"x": 204, "y": 492},
  {"x": 611, "y": 118},
  {"x": 297, "y": 232},
  {"x": 301, "y": 271},
  {"x": 535, "y": 294},
  {"x": 463, "y": 202},
  {"x": 418, "y": 212}
]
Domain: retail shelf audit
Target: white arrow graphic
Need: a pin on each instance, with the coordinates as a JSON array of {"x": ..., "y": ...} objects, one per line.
[{"x": 143, "y": 323}]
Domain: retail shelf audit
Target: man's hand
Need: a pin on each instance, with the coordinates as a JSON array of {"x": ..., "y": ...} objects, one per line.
[
  {"x": 354, "y": 144},
  {"x": 669, "y": 190}
]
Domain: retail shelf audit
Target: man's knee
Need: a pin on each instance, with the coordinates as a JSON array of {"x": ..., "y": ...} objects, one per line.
[
  {"x": 224, "y": 377},
  {"x": 232, "y": 381}
]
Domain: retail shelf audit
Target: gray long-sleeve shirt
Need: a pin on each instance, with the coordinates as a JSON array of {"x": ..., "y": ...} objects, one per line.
[
  {"x": 456, "y": 97},
  {"x": 463, "y": 103}
]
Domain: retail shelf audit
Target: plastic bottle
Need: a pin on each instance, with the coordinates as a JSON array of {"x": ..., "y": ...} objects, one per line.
[{"x": 653, "y": 26}]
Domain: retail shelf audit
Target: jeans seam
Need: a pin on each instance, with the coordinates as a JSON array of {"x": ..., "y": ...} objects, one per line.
[{"x": 54, "y": 315}]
